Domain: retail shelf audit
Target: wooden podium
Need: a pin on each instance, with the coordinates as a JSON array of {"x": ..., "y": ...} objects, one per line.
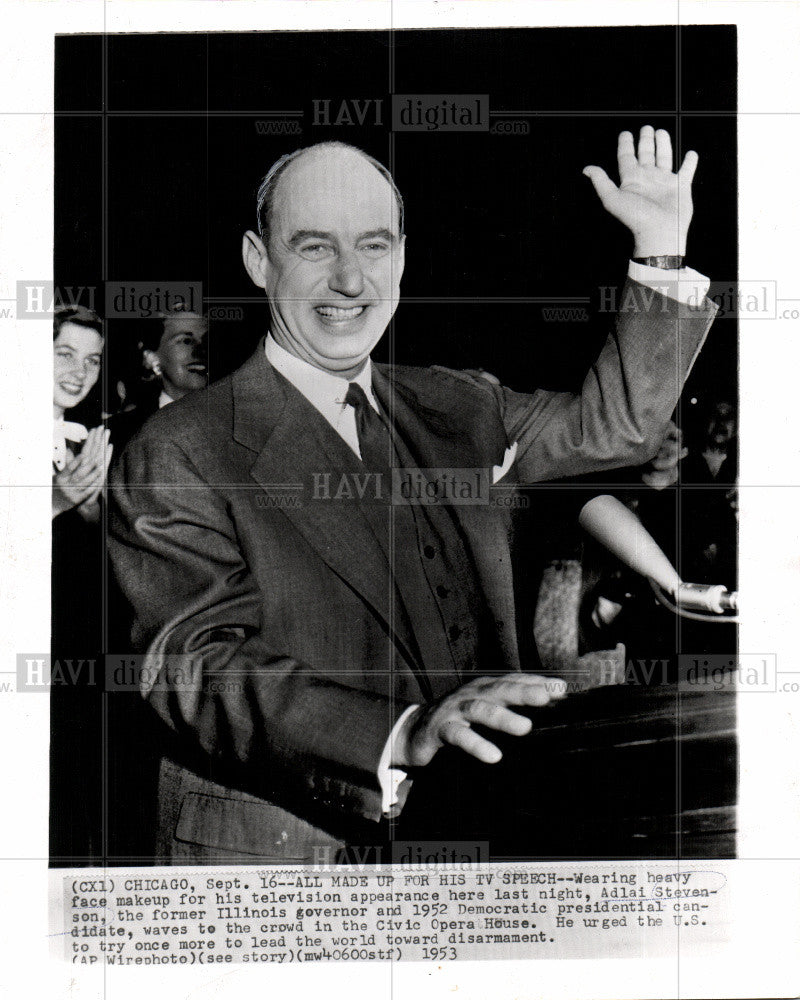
[{"x": 616, "y": 772}]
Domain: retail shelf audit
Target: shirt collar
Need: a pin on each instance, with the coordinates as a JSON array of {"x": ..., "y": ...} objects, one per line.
[
  {"x": 68, "y": 430},
  {"x": 164, "y": 400},
  {"x": 319, "y": 387},
  {"x": 63, "y": 431}
]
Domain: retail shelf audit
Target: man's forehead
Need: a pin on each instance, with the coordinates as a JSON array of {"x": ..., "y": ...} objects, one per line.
[
  {"x": 334, "y": 191},
  {"x": 181, "y": 324}
]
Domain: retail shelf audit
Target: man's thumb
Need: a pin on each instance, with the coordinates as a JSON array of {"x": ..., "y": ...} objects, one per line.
[{"x": 603, "y": 184}]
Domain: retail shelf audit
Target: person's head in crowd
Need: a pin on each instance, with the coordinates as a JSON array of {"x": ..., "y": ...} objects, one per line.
[
  {"x": 174, "y": 352},
  {"x": 77, "y": 354},
  {"x": 329, "y": 253},
  {"x": 662, "y": 470},
  {"x": 720, "y": 427}
]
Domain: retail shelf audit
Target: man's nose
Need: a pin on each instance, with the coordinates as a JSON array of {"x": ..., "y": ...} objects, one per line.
[{"x": 346, "y": 276}]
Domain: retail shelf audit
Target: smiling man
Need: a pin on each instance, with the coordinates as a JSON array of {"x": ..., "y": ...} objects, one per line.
[
  {"x": 306, "y": 651},
  {"x": 330, "y": 264}
]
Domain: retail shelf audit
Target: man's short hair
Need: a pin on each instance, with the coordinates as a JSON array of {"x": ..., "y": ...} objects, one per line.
[{"x": 268, "y": 186}]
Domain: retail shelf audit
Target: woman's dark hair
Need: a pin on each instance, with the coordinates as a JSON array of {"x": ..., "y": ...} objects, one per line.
[
  {"x": 88, "y": 411},
  {"x": 80, "y": 316},
  {"x": 150, "y": 332}
]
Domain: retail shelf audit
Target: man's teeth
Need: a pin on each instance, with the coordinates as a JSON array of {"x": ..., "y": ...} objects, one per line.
[{"x": 335, "y": 312}]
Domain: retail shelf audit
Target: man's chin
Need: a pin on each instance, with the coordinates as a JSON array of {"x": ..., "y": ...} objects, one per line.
[
  {"x": 346, "y": 351},
  {"x": 345, "y": 365}
]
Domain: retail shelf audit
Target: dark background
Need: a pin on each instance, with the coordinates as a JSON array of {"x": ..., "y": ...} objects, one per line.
[{"x": 158, "y": 160}]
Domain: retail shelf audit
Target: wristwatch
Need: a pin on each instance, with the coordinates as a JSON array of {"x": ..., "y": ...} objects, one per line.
[{"x": 667, "y": 262}]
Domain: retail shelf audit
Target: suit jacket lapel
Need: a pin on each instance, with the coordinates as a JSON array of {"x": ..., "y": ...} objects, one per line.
[{"x": 275, "y": 420}]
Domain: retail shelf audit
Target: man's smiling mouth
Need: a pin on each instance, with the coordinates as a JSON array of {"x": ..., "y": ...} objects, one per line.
[{"x": 339, "y": 313}]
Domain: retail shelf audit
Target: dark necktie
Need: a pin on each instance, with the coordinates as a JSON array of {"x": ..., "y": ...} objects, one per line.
[{"x": 374, "y": 439}]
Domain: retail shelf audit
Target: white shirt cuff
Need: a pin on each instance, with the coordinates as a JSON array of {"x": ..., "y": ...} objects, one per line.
[
  {"x": 390, "y": 778},
  {"x": 685, "y": 285}
]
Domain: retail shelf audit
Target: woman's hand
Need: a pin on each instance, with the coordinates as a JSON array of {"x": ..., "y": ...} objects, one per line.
[{"x": 79, "y": 483}]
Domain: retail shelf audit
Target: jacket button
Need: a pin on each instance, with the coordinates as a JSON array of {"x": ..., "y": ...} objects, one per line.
[
  {"x": 429, "y": 551},
  {"x": 442, "y": 591},
  {"x": 454, "y": 632}
]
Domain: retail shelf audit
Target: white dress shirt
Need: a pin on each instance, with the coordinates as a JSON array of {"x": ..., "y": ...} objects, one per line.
[
  {"x": 685, "y": 285},
  {"x": 324, "y": 391}
]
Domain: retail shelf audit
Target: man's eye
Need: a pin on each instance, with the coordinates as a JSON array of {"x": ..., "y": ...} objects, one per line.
[
  {"x": 375, "y": 249},
  {"x": 316, "y": 251}
]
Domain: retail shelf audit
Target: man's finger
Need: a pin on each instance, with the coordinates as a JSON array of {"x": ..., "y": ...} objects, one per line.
[
  {"x": 536, "y": 697},
  {"x": 647, "y": 146},
  {"x": 522, "y": 692},
  {"x": 496, "y": 716},
  {"x": 688, "y": 167},
  {"x": 505, "y": 689},
  {"x": 663, "y": 150},
  {"x": 555, "y": 685},
  {"x": 606, "y": 189},
  {"x": 626, "y": 155},
  {"x": 459, "y": 735}
]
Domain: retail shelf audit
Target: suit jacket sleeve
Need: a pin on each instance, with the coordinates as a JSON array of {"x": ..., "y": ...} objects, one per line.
[
  {"x": 620, "y": 415},
  {"x": 214, "y": 676}
]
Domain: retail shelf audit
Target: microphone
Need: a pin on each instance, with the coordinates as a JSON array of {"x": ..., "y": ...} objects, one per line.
[
  {"x": 619, "y": 530},
  {"x": 707, "y": 597}
]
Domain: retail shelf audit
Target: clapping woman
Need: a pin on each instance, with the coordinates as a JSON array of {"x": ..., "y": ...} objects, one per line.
[
  {"x": 80, "y": 463},
  {"x": 80, "y": 457}
]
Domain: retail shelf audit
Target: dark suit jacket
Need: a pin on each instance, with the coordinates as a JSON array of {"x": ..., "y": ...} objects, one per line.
[
  {"x": 276, "y": 628},
  {"x": 124, "y": 425}
]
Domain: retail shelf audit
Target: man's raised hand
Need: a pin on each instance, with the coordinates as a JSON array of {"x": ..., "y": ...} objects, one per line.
[
  {"x": 484, "y": 700},
  {"x": 651, "y": 200}
]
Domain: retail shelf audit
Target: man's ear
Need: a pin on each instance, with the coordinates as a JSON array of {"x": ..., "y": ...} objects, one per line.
[
  {"x": 256, "y": 261},
  {"x": 402, "y": 256}
]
